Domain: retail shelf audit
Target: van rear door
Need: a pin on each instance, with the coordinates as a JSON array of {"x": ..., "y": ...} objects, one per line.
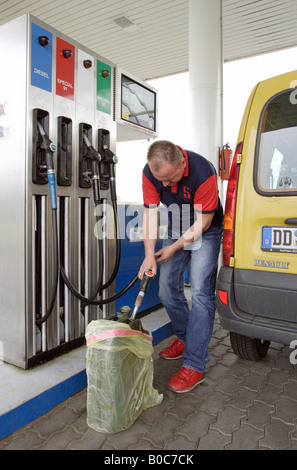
[{"x": 265, "y": 245}]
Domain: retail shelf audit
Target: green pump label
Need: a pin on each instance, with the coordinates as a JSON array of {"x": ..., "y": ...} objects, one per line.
[{"x": 103, "y": 102}]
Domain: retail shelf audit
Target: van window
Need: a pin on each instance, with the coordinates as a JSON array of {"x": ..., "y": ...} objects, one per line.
[{"x": 276, "y": 150}]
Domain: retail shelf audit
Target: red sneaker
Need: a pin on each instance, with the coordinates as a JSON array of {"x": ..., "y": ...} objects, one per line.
[
  {"x": 174, "y": 350},
  {"x": 185, "y": 380}
]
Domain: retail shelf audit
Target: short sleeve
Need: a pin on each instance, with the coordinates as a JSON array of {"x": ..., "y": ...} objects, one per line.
[
  {"x": 206, "y": 196},
  {"x": 151, "y": 197}
]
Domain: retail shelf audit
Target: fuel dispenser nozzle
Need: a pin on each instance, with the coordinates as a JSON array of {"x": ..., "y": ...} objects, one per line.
[
  {"x": 95, "y": 157},
  {"x": 49, "y": 148},
  {"x": 144, "y": 285},
  {"x": 92, "y": 152},
  {"x": 111, "y": 159}
]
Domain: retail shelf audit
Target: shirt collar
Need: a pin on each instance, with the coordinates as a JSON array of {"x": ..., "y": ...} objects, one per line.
[{"x": 186, "y": 172}]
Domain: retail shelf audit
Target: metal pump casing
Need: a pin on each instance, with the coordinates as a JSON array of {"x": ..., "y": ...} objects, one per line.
[{"x": 60, "y": 81}]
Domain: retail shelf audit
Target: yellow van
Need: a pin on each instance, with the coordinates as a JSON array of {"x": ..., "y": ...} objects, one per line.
[{"x": 257, "y": 284}]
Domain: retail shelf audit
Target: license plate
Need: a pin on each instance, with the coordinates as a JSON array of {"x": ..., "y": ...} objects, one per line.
[{"x": 283, "y": 239}]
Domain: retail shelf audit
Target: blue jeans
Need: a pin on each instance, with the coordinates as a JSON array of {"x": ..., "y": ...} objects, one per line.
[{"x": 192, "y": 326}]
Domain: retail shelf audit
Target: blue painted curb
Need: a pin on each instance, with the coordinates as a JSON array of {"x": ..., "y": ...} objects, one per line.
[{"x": 35, "y": 407}]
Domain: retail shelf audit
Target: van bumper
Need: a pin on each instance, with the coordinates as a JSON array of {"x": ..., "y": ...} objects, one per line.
[{"x": 232, "y": 318}]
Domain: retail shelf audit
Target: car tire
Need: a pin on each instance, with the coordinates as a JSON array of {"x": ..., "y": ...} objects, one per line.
[{"x": 251, "y": 349}]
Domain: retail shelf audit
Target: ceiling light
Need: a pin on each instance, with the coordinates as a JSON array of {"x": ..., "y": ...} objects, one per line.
[{"x": 124, "y": 23}]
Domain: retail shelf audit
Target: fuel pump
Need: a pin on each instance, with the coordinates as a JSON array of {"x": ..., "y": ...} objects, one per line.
[{"x": 61, "y": 89}]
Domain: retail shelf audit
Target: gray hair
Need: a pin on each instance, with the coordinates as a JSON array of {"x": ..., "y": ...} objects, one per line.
[{"x": 163, "y": 151}]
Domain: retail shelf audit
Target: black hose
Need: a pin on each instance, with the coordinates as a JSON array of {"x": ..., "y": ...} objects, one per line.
[
  {"x": 101, "y": 287},
  {"x": 101, "y": 269},
  {"x": 68, "y": 283},
  {"x": 96, "y": 302},
  {"x": 118, "y": 249},
  {"x": 56, "y": 270}
]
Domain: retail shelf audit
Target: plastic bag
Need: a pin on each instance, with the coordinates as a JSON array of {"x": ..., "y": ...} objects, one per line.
[{"x": 120, "y": 375}]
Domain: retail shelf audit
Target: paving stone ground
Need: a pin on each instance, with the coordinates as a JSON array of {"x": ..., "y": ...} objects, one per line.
[{"x": 242, "y": 405}]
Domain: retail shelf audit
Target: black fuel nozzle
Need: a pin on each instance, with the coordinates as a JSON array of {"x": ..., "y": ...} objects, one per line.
[
  {"x": 111, "y": 159},
  {"x": 92, "y": 153},
  {"x": 144, "y": 285},
  {"x": 49, "y": 148},
  {"x": 95, "y": 157},
  {"x": 109, "y": 156}
]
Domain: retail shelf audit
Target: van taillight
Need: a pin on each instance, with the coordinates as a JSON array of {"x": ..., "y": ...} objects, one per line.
[
  {"x": 223, "y": 296},
  {"x": 229, "y": 218}
]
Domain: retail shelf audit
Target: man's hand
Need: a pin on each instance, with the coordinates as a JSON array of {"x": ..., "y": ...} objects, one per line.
[
  {"x": 165, "y": 253},
  {"x": 148, "y": 264}
]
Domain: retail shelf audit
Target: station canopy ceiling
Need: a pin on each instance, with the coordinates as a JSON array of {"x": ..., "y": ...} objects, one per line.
[{"x": 149, "y": 38}]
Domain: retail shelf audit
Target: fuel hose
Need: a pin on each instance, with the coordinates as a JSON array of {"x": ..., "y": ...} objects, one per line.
[
  {"x": 96, "y": 302},
  {"x": 49, "y": 148},
  {"x": 56, "y": 270}
]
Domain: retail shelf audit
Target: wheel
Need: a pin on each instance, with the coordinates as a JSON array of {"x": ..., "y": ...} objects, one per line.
[{"x": 251, "y": 349}]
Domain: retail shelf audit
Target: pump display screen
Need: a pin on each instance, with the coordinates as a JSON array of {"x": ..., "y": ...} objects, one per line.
[{"x": 138, "y": 104}]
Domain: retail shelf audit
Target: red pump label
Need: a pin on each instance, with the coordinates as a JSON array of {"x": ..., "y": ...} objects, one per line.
[{"x": 65, "y": 62}]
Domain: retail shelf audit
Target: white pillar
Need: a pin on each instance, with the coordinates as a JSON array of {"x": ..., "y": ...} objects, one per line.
[{"x": 205, "y": 77}]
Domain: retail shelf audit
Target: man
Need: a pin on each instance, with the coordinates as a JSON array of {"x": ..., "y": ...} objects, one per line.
[{"x": 186, "y": 183}]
